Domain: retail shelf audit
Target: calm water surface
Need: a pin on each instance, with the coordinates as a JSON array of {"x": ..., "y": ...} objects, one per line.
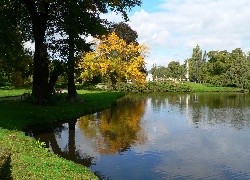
[{"x": 161, "y": 136}]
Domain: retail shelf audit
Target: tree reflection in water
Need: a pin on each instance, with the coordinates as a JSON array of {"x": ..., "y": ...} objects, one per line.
[
  {"x": 51, "y": 137},
  {"x": 115, "y": 129},
  {"x": 208, "y": 108},
  {"x": 112, "y": 131}
]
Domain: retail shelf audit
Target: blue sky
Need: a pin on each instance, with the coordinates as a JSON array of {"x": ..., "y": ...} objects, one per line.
[
  {"x": 172, "y": 28},
  {"x": 150, "y": 6}
]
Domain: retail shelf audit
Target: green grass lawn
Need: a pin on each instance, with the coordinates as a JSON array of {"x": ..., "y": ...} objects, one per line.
[
  {"x": 8, "y": 92},
  {"x": 198, "y": 87},
  {"x": 29, "y": 159}
]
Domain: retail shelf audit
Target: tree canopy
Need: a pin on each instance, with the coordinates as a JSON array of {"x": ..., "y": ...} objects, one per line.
[
  {"x": 125, "y": 32},
  {"x": 217, "y": 68},
  {"x": 41, "y": 20},
  {"x": 174, "y": 70},
  {"x": 196, "y": 64},
  {"x": 114, "y": 60},
  {"x": 15, "y": 60}
]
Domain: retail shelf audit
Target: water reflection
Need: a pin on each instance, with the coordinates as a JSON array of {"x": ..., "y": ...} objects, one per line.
[
  {"x": 208, "y": 108},
  {"x": 161, "y": 136},
  {"x": 116, "y": 129},
  {"x": 62, "y": 141},
  {"x": 221, "y": 108}
]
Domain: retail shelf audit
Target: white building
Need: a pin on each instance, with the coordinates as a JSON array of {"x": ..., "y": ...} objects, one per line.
[{"x": 149, "y": 77}]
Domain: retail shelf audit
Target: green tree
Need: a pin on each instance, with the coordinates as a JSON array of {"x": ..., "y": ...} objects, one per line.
[
  {"x": 15, "y": 61},
  {"x": 196, "y": 64},
  {"x": 239, "y": 69},
  {"x": 74, "y": 24},
  {"x": 216, "y": 67},
  {"x": 153, "y": 70},
  {"x": 125, "y": 32},
  {"x": 217, "y": 63},
  {"x": 177, "y": 71},
  {"x": 39, "y": 19},
  {"x": 160, "y": 72}
]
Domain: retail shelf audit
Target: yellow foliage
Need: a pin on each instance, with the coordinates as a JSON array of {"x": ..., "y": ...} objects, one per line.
[{"x": 113, "y": 57}]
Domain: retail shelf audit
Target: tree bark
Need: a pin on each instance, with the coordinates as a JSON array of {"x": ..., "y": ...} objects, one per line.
[
  {"x": 72, "y": 94},
  {"x": 41, "y": 70},
  {"x": 40, "y": 75}
]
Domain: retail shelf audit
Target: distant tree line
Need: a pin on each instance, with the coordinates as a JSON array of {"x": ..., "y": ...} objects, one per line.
[
  {"x": 174, "y": 70},
  {"x": 217, "y": 68}
]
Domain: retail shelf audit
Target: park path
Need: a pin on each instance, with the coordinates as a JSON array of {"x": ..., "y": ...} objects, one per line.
[{"x": 11, "y": 98}]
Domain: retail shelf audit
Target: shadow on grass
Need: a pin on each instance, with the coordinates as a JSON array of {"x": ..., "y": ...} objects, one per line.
[
  {"x": 15, "y": 114},
  {"x": 5, "y": 165}
]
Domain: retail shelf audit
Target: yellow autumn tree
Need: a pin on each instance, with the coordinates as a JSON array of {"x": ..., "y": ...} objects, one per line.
[{"x": 115, "y": 60}]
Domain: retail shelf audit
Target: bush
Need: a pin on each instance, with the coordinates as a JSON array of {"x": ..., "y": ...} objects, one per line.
[
  {"x": 126, "y": 87},
  {"x": 154, "y": 87},
  {"x": 86, "y": 86},
  {"x": 217, "y": 81},
  {"x": 5, "y": 167}
]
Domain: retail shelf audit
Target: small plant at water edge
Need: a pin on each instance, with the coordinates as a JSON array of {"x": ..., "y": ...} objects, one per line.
[{"x": 41, "y": 145}]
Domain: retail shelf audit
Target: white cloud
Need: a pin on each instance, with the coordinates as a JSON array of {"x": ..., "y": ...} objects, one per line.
[{"x": 181, "y": 24}]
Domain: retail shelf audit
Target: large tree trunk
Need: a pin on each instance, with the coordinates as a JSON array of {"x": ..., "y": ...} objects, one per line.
[
  {"x": 41, "y": 71},
  {"x": 55, "y": 73},
  {"x": 41, "y": 74},
  {"x": 72, "y": 94}
]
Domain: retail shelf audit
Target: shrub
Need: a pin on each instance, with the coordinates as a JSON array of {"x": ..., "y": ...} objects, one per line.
[
  {"x": 87, "y": 86},
  {"x": 154, "y": 87}
]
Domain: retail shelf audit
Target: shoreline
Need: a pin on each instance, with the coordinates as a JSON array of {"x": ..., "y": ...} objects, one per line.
[{"x": 29, "y": 158}]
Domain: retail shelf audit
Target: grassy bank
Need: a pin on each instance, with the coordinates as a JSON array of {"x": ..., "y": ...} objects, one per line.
[
  {"x": 29, "y": 158},
  {"x": 198, "y": 87}
]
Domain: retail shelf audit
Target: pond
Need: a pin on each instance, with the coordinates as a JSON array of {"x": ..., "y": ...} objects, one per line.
[{"x": 161, "y": 136}]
